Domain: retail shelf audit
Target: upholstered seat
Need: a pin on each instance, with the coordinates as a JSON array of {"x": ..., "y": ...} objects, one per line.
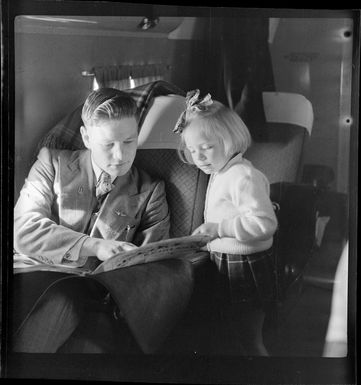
[
  {"x": 289, "y": 120},
  {"x": 158, "y": 155}
]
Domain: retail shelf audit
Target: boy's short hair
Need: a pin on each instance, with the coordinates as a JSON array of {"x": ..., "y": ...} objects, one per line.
[
  {"x": 223, "y": 123},
  {"x": 108, "y": 104}
]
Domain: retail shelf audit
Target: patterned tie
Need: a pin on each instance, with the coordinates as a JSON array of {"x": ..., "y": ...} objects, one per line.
[{"x": 104, "y": 185}]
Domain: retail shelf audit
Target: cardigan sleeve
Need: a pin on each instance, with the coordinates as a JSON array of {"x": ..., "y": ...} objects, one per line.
[{"x": 255, "y": 219}]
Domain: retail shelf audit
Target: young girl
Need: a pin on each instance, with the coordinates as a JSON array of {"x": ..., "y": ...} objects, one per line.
[{"x": 238, "y": 214}]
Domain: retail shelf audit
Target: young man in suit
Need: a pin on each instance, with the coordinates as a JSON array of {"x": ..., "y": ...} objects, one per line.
[{"x": 80, "y": 204}]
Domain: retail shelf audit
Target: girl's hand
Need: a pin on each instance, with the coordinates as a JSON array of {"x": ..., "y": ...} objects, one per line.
[{"x": 210, "y": 229}]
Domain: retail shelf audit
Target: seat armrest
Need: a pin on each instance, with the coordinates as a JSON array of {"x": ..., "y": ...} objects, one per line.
[
  {"x": 295, "y": 238},
  {"x": 298, "y": 203}
]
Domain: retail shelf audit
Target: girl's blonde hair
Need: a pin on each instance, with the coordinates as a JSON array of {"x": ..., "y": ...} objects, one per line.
[{"x": 218, "y": 121}]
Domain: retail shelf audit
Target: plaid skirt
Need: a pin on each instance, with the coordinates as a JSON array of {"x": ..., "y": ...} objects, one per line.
[{"x": 246, "y": 278}]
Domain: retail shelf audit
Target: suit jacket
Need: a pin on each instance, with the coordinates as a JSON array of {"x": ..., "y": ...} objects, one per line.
[
  {"x": 52, "y": 214},
  {"x": 58, "y": 197}
]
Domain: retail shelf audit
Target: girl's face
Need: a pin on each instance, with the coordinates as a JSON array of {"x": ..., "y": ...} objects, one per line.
[{"x": 208, "y": 154}]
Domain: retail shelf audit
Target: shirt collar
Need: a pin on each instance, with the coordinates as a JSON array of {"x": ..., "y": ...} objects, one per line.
[{"x": 97, "y": 171}]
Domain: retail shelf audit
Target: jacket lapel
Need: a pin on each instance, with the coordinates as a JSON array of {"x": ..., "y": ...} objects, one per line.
[
  {"x": 120, "y": 213},
  {"x": 76, "y": 186}
]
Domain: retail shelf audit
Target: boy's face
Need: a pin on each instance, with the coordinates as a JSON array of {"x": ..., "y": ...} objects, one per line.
[
  {"x": 113, "y": 144},
  {"x": 207, "y": 154}
]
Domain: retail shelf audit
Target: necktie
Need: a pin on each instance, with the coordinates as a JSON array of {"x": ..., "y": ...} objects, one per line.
[{"x": 104, "y": 185}]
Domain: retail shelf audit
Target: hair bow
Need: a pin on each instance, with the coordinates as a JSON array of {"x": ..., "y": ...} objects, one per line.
[{"x": 195, "y": 104}]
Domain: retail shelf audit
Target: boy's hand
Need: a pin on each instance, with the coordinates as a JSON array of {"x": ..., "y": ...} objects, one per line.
[
  {"x": 104, "y": 249},
  {"x": 210, "y": 229},
  {"x": 126, "y": 246},
  {"x": 108, "y": 249}
]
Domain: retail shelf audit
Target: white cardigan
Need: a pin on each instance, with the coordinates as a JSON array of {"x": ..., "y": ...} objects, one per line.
[{"x": 238, "y": 200}]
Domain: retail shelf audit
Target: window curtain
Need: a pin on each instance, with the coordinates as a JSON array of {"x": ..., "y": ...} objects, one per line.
[
  {"x": 240, "y": 68},
  {"x": 119, "y": 76}
]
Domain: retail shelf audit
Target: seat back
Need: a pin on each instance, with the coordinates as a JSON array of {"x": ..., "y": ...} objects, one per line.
[
  {"x": 279, "y": 158},
  {"x": 289, "y": 118},
  {"x": 157, "y": 154},
  {"x": 185, "y": 187}
]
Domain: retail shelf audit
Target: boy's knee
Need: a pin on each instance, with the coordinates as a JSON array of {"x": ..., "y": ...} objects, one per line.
[{"x": 61, "y": 296}]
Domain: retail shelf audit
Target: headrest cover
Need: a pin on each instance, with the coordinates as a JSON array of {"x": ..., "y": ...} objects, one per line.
[
  {"x": 284, "y": 107},
  {"x": 157, "y": 128}
]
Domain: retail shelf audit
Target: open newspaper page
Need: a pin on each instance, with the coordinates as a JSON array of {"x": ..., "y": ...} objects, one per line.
[{"x": 188, "y": 247}]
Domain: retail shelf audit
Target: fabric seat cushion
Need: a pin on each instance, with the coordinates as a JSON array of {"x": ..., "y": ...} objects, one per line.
[{"x": 185, "y": 187}]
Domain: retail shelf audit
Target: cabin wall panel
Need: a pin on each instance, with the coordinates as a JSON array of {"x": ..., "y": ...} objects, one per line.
[{"x": 312, "y": 67}]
